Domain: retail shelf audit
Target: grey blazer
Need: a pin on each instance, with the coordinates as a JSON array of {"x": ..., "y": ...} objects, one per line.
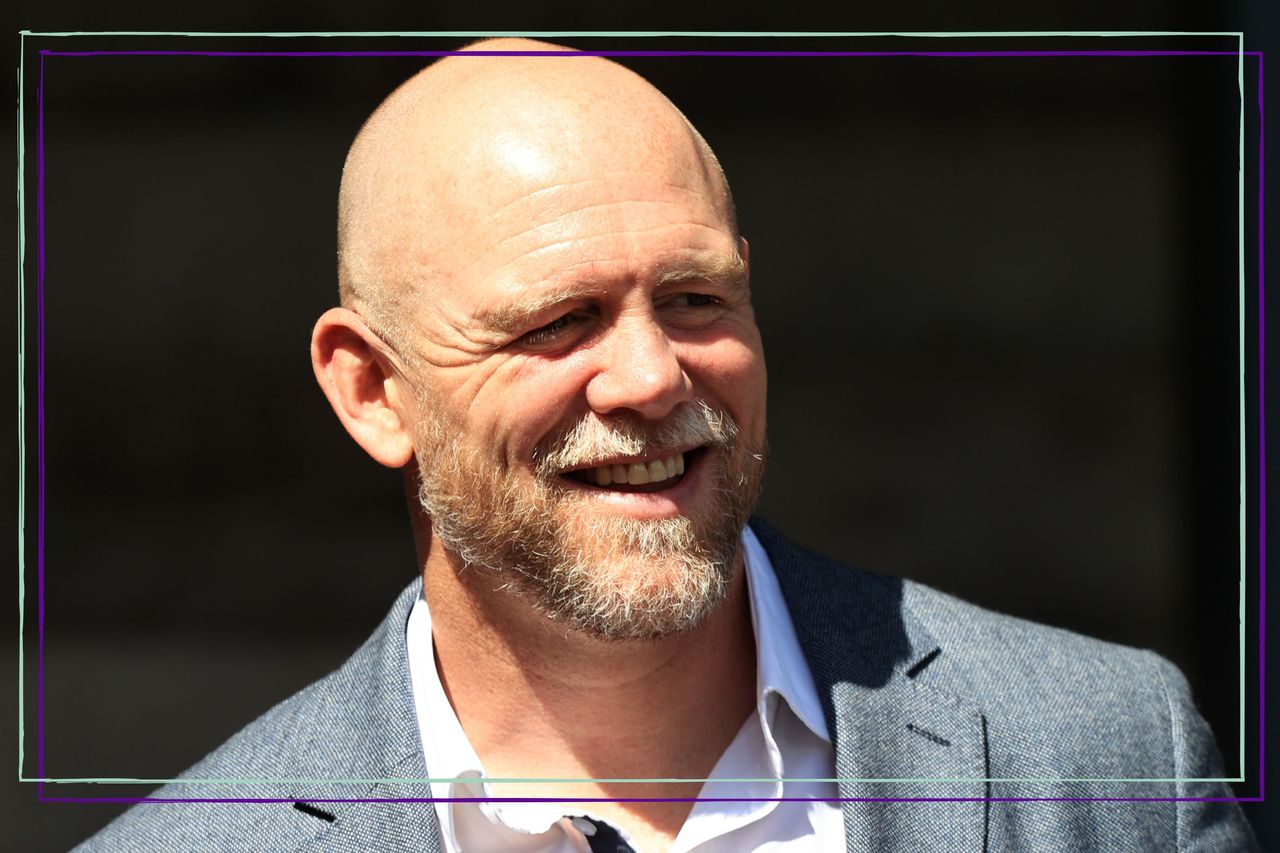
[{"x": 925, "y": 697}]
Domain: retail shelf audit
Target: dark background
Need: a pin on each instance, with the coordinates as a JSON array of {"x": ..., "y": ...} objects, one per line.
[{"x": 999, "y": 306}]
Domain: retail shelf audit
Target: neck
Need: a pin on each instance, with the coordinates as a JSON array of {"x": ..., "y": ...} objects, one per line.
[{"x": 539, "y": 700}]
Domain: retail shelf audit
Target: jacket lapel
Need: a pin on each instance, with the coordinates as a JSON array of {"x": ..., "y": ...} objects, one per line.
[
  {"x": 374, "y": 737},
  {"x": 872, "y": 664}
]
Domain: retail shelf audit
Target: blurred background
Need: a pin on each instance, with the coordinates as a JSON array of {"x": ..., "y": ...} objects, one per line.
[{"x": 999, "y": 303}]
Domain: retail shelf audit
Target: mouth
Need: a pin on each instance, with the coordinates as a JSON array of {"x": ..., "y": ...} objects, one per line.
[{"x": 645, "y": 474}]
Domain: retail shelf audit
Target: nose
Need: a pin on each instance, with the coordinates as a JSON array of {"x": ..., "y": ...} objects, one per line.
[{"x": 640, "y": 371}]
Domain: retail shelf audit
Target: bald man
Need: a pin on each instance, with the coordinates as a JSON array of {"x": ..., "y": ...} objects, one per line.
[{"x": 546, "y": 323}]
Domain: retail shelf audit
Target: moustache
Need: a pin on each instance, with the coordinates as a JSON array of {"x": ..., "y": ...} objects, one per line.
[{"x": 593, "y": 439}]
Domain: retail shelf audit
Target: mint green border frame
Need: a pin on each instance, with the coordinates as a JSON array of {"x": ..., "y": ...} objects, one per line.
[{"x": 22, "y": 348}]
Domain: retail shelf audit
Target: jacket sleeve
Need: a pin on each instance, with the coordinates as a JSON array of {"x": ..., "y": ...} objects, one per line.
[{"x": 1201, "y": 826}]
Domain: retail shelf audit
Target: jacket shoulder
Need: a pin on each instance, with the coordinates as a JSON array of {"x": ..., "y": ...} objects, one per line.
[
  {"x": 1055, "y": 703},
  {"x": 331, "y": 739},
  {"x": 1069, "y": 715},
  {"x": 996, "y": 654},
  {"x": 1082, "y": 722}
]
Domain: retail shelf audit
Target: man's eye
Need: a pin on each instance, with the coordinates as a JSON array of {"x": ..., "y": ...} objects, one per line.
[
  {"x": 695, "y": 300},
  {"x": 548, "y": 333}
]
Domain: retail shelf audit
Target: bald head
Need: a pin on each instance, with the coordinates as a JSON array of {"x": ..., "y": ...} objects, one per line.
[{"x": 472, "y": 140}]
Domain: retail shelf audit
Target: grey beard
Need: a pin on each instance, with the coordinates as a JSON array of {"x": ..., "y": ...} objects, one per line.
[{"x": 613, "y": 578}]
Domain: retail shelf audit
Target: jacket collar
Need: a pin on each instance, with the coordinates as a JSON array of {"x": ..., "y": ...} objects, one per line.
[{"x": 874, "y": 665}]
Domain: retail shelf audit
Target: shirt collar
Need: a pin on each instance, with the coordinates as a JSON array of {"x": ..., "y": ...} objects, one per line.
[
  {"x": 451, "y": 760},
  {"x": 781, "y": 673},
  {"x": 781, "y": 667}
]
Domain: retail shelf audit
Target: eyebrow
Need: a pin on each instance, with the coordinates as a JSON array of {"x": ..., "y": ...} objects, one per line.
[
  {"x": 519, "y": 315},
  {"x": 516, "y": 316},
  {"x": 726, "y": 269}
]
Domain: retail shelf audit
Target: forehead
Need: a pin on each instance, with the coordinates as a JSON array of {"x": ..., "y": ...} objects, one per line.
[{"x": 618, "y": 227}]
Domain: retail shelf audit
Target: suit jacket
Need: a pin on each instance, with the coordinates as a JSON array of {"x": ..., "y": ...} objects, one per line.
[{"x": 925, "y": 697}]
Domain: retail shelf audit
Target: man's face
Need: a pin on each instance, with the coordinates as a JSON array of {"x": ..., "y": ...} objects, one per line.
[{"x": 591, "y": 398}]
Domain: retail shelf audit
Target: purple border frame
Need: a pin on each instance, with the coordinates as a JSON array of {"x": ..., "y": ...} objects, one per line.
[{"x": 40, "y": 413}]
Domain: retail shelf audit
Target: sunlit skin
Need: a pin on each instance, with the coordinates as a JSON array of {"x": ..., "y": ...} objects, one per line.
[{"x": 575, "y": 254}]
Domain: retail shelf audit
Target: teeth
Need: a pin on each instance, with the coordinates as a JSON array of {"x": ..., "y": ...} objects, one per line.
[{"x": 635, "y": 474}]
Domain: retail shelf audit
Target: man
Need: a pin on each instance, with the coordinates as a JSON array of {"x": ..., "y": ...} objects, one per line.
[{"x": 546, "y": 322}]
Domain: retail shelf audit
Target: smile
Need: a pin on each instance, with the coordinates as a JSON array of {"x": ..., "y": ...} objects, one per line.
[{"x": 638, "y": 475}]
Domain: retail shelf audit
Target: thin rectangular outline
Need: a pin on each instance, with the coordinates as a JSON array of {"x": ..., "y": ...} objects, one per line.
[{"x": 1240, "y": 53}]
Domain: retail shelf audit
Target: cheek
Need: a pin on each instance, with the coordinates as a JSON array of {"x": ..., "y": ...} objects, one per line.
[
  {"x": 732, "y": 371},
  {"x": 525, "y": 401},
  {"x": 731, "y": 375}
]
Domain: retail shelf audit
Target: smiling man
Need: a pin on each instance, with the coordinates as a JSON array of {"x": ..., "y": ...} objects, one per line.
[{"x": 546, "y": 322}]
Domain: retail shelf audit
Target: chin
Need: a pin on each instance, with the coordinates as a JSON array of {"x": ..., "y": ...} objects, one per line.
[{"x": 620, "y": 578}]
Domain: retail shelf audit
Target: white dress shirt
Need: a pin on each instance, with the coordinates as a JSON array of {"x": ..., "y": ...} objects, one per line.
[{"x": 787, "y": 733}]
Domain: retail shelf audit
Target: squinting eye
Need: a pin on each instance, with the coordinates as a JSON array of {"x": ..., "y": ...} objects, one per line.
[
  {"x": 696, "y": 300},
  {"x": 548, "y": 333},
  {"x": 699, "y": 300}
]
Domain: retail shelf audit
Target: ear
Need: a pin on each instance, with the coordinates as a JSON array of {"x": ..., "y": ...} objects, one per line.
[{"x": 357, "y": 379}]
